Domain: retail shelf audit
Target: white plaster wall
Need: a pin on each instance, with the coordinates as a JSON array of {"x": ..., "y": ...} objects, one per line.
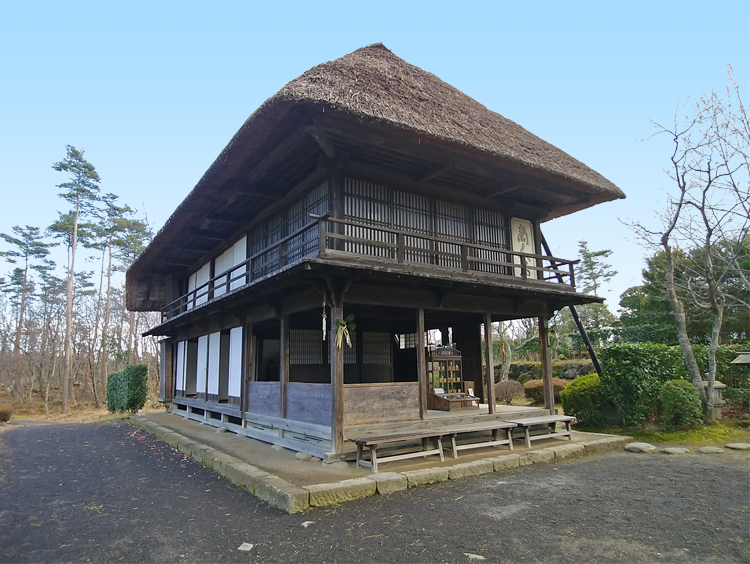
[
  {"x": 200, "y": 385},
  {"x": 235, "y": 361},
  {"x": 239, "y": 251},
  {"x": 180, "y": 366},
  {"x": 214, "y": 356}
]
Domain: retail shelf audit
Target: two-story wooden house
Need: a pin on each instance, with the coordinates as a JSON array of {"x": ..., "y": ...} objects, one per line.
[{"x": 365, "y": 190}]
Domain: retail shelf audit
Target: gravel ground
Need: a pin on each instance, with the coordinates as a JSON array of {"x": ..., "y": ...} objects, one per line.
[{"x": 112, "y": 493}]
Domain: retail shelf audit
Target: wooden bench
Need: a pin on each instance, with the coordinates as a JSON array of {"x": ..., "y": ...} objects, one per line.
[
  {"x": 550, "y": 420},
  {"x": 437, "y": 435},
  {"x": 495, "y": 427},
  {"x": 373, "y": 442}
]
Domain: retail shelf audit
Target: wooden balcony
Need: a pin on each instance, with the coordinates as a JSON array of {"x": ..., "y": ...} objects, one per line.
[{"x": 328, "y": 238}]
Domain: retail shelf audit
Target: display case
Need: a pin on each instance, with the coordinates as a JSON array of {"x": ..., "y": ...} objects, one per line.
[
  {"x": 444, "y": 370},
  {"x": 448, "y": 390}
]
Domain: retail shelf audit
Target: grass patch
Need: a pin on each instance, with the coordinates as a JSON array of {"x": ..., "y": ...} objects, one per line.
[{"x": 716, "y": 434}]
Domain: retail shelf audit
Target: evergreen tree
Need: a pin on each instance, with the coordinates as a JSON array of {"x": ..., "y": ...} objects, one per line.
[
  {"x": 28, "y": 248},
  {"x": 81, "y": 191},
  {"x": 592, "y": 271}
]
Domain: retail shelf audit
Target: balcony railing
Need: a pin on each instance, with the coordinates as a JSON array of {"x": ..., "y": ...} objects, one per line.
[{"x": 332, "y": 238}]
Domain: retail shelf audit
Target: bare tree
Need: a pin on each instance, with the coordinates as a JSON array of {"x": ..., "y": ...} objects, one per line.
[{"x": 708, "y": 213}]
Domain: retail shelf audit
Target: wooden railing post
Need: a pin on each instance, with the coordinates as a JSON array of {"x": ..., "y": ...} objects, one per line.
[
  {"x": 572, "y": 275},
  {"x": 400, "y": 242},
  {"x": 465, "y": 258},
  {"x": 322, "y": 236}
]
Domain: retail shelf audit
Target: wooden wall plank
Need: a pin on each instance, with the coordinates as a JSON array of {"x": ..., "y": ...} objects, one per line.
[
  {"x": 310, "y": 403},
  {"x": 264, "y": 398},
  {"x": 381, "y": 403}
]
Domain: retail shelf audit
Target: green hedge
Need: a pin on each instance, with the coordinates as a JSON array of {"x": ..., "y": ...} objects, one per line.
[
  {"x": 583, "y": 398},
  {"x": 680, "y": 404},
  {"x": 127, "y": 390},
  {"x": 633, "y": 374}
]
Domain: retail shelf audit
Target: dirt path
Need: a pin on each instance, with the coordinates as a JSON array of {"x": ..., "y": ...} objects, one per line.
[{"x": 111, "y": 493}]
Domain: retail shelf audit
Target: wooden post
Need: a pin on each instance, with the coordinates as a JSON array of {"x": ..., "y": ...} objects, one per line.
[
  {"x": 338, "y": 207},
  {"x": 549, "y": 390},
  {"x": 247, "y": 365},
  {"x": 284, "y": 363},
  {"x": 421, "y": 365},
  {"x": 166, "y": 369},
  {"x": 489, "y": 363},
  {"x": 337, "y": 375}
]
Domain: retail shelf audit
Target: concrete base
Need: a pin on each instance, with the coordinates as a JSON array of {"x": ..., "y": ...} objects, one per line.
[{"x": 294, "y": 485}]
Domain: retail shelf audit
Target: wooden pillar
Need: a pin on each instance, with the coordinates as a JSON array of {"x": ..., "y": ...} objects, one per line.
[
  {"x": 489, "y": 363},
  {"x": 549, "y": 390},
  {"x": 283, "y": 363},
  {"x": 166, "y": 369},
  {"x": 421, "y": 365},
  {"x": 247, "y": 365},
  {"x": 337, "y": 375},
  {"x": 338, "y": 206}
]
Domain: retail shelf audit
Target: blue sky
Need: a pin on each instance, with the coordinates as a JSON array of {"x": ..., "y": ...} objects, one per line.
[{"x": 154, "y": 91}]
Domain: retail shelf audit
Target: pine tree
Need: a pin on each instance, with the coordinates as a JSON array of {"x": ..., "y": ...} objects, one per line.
[
  {"x": 29, "y": 248},
  {"x": 81, "y": 191}
]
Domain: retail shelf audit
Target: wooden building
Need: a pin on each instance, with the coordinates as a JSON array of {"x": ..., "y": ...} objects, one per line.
[{"x": 366, "y": 189}]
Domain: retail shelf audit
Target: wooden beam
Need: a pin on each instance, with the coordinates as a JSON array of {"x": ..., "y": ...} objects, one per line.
[
  {"x": 421, "y": 365},
  {"x": 489, "y": 363},
  {"x": 549, "y": 390},
  {"x": 177, "y": 263},
  {"x": 253, "y": 191},
  {"x": 323, "y": 141},
  {"x": 284, "y": 363},
  {"x": 203, "y": 234},
  {"x": 438, "y": 171},
  {"x": 505, "y": 190}
]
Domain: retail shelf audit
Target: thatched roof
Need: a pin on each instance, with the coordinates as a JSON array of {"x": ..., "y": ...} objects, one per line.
[{"x": 374, "y": 83}]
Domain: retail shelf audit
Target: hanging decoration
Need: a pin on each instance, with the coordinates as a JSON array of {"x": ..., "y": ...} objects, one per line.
[
  {"x": 325, "y": 319},
  {"x": 342, "y": 331}
]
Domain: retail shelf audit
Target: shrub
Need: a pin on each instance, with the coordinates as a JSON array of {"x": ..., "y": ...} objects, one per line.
[
  {"x": 117, "y": 392},
  {"x": 137, "y": 379},
  {"x": 632, "y": 374},
  {"x": 127, "y": 390},
  {"x": 6, "y": 410},
  {"x": 534, "y": 389},
  {"x": 737, "y": 396},
  {"x": 680, "y": 404},
  {"x": 583, "y": 398},
  {"x": 508, "y": 390}
]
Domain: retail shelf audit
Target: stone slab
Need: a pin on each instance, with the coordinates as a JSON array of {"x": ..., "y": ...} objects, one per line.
[
  {"x": 571, "y": 450},
  {"x": 711, "y": 450},
  {"x": 640, "y": 447},
  {"x": 505, "y": 461},
  {"x": 323, "y": 495},
  {"x": 536, "y": 456},
  {"x": 605, "y": 444},
  {"x": 738, "y": 446},
  {"x": 243, "y": 474},
  {"x": 675, "y": 450},
  {"x": 474, "y": 468},
  {"x": 389, "y": 482},
  {"x": 426, "y": 476},
  {"x": 281, "y": 494}
]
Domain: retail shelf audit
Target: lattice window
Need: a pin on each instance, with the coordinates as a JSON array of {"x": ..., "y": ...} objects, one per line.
[
  {"x": 376, "y": 348},
  {"x": 350, "y": 353},
  {"x": 305, "y": 346}
]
